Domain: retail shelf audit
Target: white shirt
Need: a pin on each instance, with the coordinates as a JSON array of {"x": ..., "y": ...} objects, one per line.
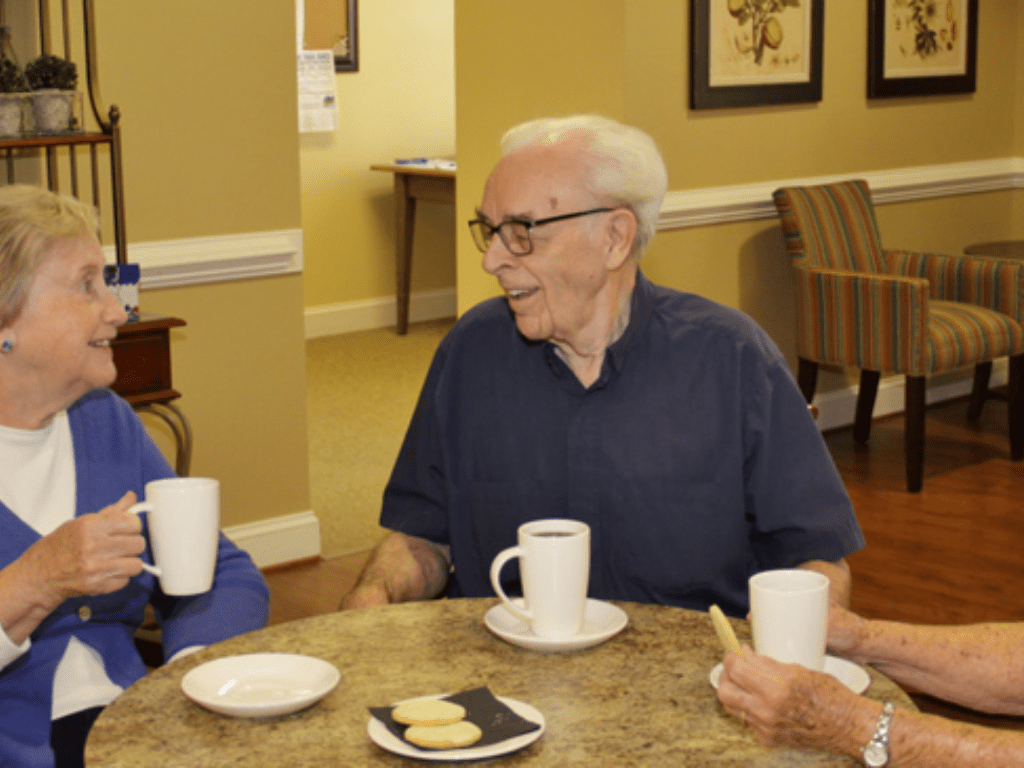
[{"x": 38, "y": 485}]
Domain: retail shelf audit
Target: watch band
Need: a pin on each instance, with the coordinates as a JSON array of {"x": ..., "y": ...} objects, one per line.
[{"x": 876, "y": 753}]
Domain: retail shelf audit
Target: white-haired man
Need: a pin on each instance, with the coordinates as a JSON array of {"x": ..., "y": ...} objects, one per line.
[{"x": 668, "y": 423}]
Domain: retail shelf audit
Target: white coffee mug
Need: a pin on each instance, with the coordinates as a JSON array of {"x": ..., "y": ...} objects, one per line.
[
  {"x": 554, "y": 565},
  {"x": 789, "y": 616},
  {"x": 183, "y": 518}
]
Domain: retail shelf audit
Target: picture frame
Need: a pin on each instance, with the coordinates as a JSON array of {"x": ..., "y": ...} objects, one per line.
[
  {"x": 333, "y": 25},
  {"x": 346, "y": 52},
  {"x": 912, "y": 52},
  {"x": 747, "y": 53}
]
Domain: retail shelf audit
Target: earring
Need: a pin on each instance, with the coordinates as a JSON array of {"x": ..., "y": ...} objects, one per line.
[{"x": 7, "y": 346}]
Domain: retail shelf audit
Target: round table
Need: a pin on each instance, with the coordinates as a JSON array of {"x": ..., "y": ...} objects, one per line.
[{"x": 641, "y": 698}]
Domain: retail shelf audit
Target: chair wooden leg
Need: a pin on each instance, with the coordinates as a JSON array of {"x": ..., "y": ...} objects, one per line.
[
  {"x": 914, "y": 431},
  {"x": 807, "y": 378},
  {"x": 865, "y": 405},
  {"x": 1015, "y": 407},
  {"x": 979, "y": 391}
]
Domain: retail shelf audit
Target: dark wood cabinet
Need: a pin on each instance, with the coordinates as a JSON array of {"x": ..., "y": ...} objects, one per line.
[{"x": 142, "y": 354}]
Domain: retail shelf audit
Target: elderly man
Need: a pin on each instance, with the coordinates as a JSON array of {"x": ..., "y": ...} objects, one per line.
[
  {"x": 977, "y": 666},
  {"x": 668, "y": 423}
]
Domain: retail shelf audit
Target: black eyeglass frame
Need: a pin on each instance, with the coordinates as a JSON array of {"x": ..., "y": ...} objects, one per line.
[{"x": 497, "y": 229}]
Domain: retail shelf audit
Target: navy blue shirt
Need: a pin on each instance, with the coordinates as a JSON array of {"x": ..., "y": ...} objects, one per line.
[{"x": 693, "y": 458}]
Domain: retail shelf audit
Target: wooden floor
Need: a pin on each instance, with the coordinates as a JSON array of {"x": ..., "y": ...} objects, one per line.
[{"x": 949, "y": 554}]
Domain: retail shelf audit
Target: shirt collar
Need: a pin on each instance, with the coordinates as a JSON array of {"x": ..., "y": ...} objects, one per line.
[
  {"x": 641, "y": 307},
  {"x": 642, "y": 304}
]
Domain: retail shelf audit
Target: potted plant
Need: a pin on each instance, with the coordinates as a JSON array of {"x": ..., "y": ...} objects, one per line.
[
  {"x": 52, "y": 81},
  {"x": 12, "y": 88},
  {"x": 13, "y": 85}
]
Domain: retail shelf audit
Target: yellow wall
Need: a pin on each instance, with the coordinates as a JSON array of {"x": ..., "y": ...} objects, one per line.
[
  {"x": 208, "y": 94},
  {"x": 399, "y": 104},
  {"x": 518, "y": 60},
  {"x": 629, "y": 59},
  {"x": 1018, "y": 126}
]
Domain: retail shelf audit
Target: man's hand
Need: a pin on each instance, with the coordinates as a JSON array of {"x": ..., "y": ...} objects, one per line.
[
  {"x": 401, "y": 568},
  {"x": 365, "y": 596}
]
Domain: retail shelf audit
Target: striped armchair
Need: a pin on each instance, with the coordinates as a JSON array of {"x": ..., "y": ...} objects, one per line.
[{"x": 917, "y": 314}]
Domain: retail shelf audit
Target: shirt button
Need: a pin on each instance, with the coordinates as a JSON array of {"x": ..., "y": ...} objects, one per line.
[{"x": 85, "y": 613}]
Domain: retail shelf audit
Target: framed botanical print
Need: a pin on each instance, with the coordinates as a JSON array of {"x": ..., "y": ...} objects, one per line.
[
  {"x": 921, "y": 47},
  {"x": 346, "y": 50},
  {"x": 747, "y": 53}
]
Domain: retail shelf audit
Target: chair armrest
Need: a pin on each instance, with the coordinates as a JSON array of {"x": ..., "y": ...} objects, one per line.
[
  {"x": 862, "y": 319},
  {"x": 980, "y": 280}
]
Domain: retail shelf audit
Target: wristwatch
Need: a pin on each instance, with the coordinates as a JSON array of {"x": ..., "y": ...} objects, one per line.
[{"x": 876, "y": 753}]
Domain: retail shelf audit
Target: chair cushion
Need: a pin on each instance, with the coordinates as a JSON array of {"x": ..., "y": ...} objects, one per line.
[
  {"x": 831, "y": 226},
  {"x": 965, "y": 334}
]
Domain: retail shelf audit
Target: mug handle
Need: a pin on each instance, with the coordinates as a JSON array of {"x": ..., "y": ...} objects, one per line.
[
  {"x": 499, "y": 562},
  {"x": 145, "y": 506}
]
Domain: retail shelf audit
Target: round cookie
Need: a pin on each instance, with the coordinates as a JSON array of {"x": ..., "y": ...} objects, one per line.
[
  {"x": 428, "y": 712},
  {"x": 452, "y": 736}
]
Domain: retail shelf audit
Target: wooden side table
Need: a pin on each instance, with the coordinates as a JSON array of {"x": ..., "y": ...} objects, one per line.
[
  {"x": 412, "y": 183},
  {"x": 142, "y": 354}
]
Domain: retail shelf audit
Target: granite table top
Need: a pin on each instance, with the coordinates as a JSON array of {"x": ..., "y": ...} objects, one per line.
[{"x": 641, "y": 698}]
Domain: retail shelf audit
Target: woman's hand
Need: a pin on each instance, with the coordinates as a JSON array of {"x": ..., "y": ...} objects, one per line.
[
  {"x": 846, "y": 631},
  {"x": 788, "y": 705},
  {"x": 92, "y": 554}
]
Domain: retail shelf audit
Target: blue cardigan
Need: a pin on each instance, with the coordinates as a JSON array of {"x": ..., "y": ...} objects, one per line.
[{"x": 113, "y": 454}]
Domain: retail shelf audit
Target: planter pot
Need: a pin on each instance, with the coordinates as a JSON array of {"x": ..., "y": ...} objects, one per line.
[
  {"x": 54, "y": 111},
  {"x": 12, "y": 114}
]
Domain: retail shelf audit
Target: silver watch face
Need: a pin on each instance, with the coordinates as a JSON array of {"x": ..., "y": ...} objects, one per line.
[{"x": 875, "y": 755}]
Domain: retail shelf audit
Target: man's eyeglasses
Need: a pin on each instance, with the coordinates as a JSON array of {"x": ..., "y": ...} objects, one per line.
[{"x": 515, "y": 233}]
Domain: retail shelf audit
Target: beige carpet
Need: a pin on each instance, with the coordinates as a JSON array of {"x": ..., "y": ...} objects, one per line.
[{"x": 362, "y": 390}]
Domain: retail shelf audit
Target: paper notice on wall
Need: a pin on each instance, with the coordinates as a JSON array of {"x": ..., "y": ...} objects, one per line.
[{"x": 318, "y": 98}]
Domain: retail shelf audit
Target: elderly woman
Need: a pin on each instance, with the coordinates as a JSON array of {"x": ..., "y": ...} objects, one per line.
[
  {"x": 73, "y": 459},
  {"x": 976, "y": 666}
]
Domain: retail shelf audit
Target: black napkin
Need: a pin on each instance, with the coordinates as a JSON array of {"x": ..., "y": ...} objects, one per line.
[{"x": 494, "y": 718}]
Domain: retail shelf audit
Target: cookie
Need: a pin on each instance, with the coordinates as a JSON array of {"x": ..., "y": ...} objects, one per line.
[
  {"x": 452, "y": 736},
  {"x": 428, "y": 712},
  {"x": 723, "y": 628}
]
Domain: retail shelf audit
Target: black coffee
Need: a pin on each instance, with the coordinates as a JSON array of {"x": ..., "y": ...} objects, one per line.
[{"x": 554, "y": 534}]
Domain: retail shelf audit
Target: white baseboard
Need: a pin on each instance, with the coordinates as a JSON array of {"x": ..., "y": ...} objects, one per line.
[
  {"x": 837, "y": 408},
  {"x": 332, "y": 319},
  {"x": 278, "y": 540}
]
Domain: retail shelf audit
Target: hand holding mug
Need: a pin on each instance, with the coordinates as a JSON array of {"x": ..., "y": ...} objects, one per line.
[{"x": 92, "y": 554}]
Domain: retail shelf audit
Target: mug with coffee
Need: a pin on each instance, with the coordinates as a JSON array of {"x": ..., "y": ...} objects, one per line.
[
  {"x": 554, "y": 564},
  {"x": 183, "y": 516},
  {"x": 789, "y": 616}
]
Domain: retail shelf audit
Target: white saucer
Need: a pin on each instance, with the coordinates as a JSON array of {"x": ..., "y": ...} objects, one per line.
[
  {"x": 601, "y": 621},
  {"x": 385, "y": 739},
  {"x": 853, "y": 676},
  {"x": 260, "y": 684}
]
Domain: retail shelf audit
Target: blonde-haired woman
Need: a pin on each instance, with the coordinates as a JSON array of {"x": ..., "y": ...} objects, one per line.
[{"x": 73, "y": 458}]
